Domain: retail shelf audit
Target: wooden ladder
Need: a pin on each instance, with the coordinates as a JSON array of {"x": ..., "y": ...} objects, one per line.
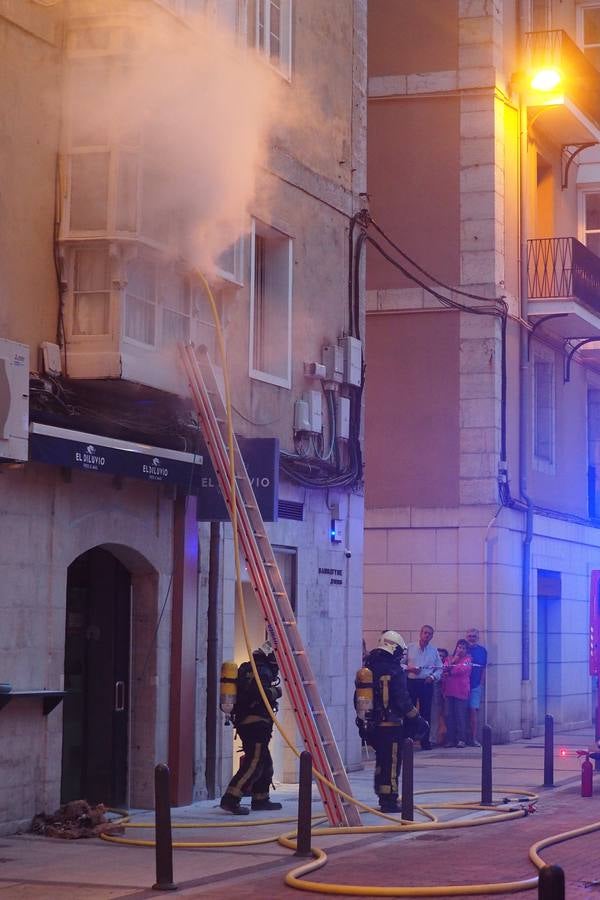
[{"x": 269, "y": 588}]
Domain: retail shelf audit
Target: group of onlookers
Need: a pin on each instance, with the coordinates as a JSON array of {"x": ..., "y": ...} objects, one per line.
[{"x": 447, "y": 687}]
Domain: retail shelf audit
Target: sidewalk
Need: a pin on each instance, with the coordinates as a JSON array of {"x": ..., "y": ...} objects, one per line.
[{"x": 49, "y": 869}]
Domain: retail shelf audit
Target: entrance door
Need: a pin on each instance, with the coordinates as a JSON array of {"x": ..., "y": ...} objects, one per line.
[
  {"x": 548, "y": 642},
  {"x": 95, "y": 708}
]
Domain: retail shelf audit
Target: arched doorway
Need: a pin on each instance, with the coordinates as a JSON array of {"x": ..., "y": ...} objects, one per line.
[{"x": 97, "y": 678}]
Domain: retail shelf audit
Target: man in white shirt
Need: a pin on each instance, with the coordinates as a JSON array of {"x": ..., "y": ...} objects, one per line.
[{"x": 423, "y": 668}]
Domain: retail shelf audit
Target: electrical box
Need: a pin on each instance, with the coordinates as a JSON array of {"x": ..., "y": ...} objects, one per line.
[
  {"x": 50, "y": 354},
  {"x": 14, "y": 400},
  {"x": 314, "y": 370},
  {"x": 314, "y": 400},
  {"x": 342, "y": 417},
  {"x": 352, "y": 361},
  {"x": 336, "y": 531},
  {"x": 301, "y": 420},
  {"x": 333, "y": 360}
]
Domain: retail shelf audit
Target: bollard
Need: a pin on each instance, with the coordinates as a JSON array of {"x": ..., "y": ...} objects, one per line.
[
  {"x": 408, "y": 800},
  {"x": 551, "y": 883},
  {"x": 549, "y": 751},
  {"x": 304, "y": 834},
  {"x": 163, "y": 836},
  {"x": 486, "y": 765}
]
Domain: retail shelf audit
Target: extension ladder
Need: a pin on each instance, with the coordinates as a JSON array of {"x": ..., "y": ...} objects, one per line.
[{"x": 270, "y": 590}]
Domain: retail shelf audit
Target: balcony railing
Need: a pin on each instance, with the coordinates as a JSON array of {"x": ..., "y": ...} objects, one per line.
[
  {"x": 581, "y": 79},
  {"x": 563, "y": 268}
]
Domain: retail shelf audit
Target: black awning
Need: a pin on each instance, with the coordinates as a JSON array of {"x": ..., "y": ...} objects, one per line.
[{"x": 191, "y": 472}]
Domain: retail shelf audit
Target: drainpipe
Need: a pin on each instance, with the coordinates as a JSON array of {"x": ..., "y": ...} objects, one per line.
[
  {"x": 212, "y": 661},
  {"x": 524, "y": 400}
]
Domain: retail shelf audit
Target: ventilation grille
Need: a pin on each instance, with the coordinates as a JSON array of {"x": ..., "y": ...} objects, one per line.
[{"x": 290, "y": 509}]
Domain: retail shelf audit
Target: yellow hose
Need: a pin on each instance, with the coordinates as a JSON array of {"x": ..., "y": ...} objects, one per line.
[{"x": 292, "y": 879}]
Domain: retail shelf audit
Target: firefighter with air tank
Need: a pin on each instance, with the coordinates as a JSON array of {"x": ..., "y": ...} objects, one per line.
[
  {"x": 386, "y": 715},
  {"x": 242, "y": 703}
]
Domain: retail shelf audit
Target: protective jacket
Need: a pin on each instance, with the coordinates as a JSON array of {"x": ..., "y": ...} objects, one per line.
[
  {"x": 249, "y": 705},
  {"x": 391, "y": 700}
]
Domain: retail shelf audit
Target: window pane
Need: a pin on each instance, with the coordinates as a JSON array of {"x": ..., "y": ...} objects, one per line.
[
  {"x": 140, "y": 302},
  {"x": 592, "y": 211},
  {"x": 92, "y": 270},
  {"x": 543, "y": 412},
  {"x": 139, "y": 320},
  {"x": 91, "y": 313},
  {"x": 91, "y": 292},
  {"x": 591, "y": 25},
  {"x": 593, "y": 243},
  {"x": 127, "y": 191},
  {"x": 175, "y": 327},
  {"x": 275, "y": 30},
  {"x": 271, "y": 303},
  {"x": 89, "y": 191},
  {"x": 90, "y": 112},
  {"x": 539, "y": 15}
]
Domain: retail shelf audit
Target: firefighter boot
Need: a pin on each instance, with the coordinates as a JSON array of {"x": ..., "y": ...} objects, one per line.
[
  {"x": 264, "y": 804},
  {"x": 232, "y": 804}
]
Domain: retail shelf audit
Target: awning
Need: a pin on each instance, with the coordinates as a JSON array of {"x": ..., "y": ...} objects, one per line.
[{"x": 191, "y": 472}]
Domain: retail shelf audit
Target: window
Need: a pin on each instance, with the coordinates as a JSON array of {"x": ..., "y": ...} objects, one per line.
[
  {"x": 91, "y": 292},
  {"x": 591, "y": 221},
  {"x": 175, "y": 298},
  {"x": 140, "y": 302},
  {"x": 540, "y": 15},
  {"x": 230, "y": 261},
  {"x": 270, "y": 32},
  {"x": 593, "y": 423},
  {"x": 270, "y": 305},
  {"x": 287, "y": 562},
  {"x": 589, "y": 32},
  {"x": 543, "y": 410},
  {"x": 158, "y": 304}
]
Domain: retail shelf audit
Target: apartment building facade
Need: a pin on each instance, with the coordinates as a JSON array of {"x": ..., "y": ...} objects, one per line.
[
  {"x": 145, "y": 141},
  {"x": 482, "y": 353}
]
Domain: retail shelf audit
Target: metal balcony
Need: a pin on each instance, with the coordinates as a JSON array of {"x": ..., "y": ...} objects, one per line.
[
  {"x": 563, "y": 279},
  {"x": 571, "y": 114}
]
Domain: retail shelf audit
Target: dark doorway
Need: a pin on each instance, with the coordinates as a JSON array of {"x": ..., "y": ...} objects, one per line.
[
  {"x": 548, "y": 642},
  {"x": 96, "y": 705}
]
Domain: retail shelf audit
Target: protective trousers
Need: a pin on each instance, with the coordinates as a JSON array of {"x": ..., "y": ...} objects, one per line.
[
  {"x": 421, "y": 693},
  {"x": 255, "y": 773},
  {"x": 387, "y": 741}
]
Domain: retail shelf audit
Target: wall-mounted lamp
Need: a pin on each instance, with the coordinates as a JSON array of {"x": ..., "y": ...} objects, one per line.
[{"x": 545, "y": 80}]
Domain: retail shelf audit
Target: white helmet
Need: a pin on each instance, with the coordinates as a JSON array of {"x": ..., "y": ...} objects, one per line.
[{"x": 391, "y": 641}]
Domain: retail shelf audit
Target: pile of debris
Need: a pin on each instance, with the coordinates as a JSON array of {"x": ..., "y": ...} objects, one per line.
[{"x": 74, "y": 820}]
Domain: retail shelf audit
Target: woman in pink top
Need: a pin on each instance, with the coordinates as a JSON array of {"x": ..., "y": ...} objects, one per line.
[{"x": 456, "y": 686}]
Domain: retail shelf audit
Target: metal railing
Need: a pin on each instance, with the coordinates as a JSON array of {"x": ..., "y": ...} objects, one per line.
[{"x": 563, "y": 268}]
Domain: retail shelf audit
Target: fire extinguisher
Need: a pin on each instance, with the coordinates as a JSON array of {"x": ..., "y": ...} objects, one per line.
[{"x": 587, "y": 774}]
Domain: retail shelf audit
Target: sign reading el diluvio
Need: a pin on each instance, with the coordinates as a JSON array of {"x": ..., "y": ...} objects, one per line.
[
  {"x": 261, "y": 456},
  {"x": 192, "y": 473}
]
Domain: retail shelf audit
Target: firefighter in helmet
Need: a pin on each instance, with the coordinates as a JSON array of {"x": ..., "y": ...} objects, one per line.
[
  {"x": 392, "y": 717},
  {"x": 255, "y": 727}
]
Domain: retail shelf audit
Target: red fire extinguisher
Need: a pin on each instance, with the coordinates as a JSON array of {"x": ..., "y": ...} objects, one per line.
[{"x": 587, "y": 774}]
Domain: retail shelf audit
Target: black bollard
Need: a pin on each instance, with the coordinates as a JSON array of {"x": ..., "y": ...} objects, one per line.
[
  {"x": 486, "y": 765},
  {"x": 163, "y": 836},
  {"x": 549, "y": 751},
  {"x": 304, "y": 835},
  {"x": 408, "y": 800},
  {"x": 551, "y": 883}
]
